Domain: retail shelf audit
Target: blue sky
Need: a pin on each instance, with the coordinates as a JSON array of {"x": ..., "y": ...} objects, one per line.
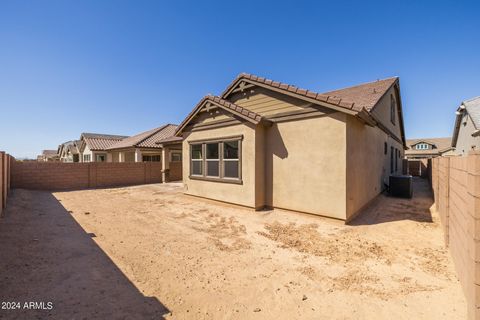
[{"x": 122, "y": 67}]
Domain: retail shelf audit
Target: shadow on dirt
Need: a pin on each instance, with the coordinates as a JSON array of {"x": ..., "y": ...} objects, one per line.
[{"x": 46, "y": 256}]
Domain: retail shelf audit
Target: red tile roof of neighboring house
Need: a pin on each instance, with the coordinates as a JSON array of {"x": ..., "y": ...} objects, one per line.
[
  {"x": 96, "y": 141},
  {"x": 146, "y": 139}
]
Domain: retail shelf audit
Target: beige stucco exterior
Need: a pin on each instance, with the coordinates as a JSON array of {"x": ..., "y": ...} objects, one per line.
[
  {"x": 242, "y": 194},
  {"x": 93, "y": 154},
  {"x": 305, "y": 165},
  {"x": 324, "y": 162}
]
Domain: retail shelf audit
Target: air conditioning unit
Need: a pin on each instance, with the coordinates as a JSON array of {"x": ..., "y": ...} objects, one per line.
[{"x": 401, "y": 186}]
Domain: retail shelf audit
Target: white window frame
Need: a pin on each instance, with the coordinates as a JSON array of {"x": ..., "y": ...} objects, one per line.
[{"x": 421, "y": 146}]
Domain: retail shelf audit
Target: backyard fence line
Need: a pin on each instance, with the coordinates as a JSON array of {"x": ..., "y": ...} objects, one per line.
[
  {"x": 456, "y": 186},
  {"x": 74, "y": 176},
  {"x": 5, "y": 165}
]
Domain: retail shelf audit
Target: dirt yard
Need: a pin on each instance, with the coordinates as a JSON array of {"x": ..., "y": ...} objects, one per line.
[{"x": 150, "y": 251}]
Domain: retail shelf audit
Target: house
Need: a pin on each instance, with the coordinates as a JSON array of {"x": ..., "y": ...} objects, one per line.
[
  {"x": 48, "y": 156},
  {"x": 93, "y": 146},
  {"x": 156, "y": 145},
  {"x": 147, "y": 146},
  {"x": 69, "y": 151},
  {"x": 264, "y": 143},
  {"x": 426, "y": 148},
  {"x": 420, "y": 150},
  {"x": 466, "y": 134}
]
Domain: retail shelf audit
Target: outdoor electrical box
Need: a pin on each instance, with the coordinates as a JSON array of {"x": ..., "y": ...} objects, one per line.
[{"x": 401, "y": 186}]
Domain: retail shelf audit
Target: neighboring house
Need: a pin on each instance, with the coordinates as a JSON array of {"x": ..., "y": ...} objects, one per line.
[
  {"x": 466, "y": 134},
  {"x": 264, "y": 143},
  {"x": 93, "y": 146},
  {"x": 426, "y": 148},
  {"x": 69, "y": 151},
  {"x": 148, "y": 146},
  {"x": 156, "y": 145},
  {"x": 48, "y": 156}
]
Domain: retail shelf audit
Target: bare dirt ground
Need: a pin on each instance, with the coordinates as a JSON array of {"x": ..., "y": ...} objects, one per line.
[{"x": 150, "y": 251}]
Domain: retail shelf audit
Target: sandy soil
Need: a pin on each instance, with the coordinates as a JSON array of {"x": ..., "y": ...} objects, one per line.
[{"x": 143, "y": 252}]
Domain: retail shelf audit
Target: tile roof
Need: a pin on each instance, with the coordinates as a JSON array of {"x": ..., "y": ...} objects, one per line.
[
  {"x": 227, "y": 105},
  {"x": 146, "y": 139},
  {"x": 352, "y": 98},
  {"x": 364, "y": 95},
  {"x": 358, "y": 100},
  {"x": 49, "y": 152},
  {"x": 97, "y": 141}
]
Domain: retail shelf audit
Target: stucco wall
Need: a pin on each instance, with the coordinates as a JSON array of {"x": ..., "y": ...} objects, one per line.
[
  {"x": 465, "y": 140},
  {"x": 382, "y": 112},
  {"x": 87, "y": 151},
  {"x": 242, "y": 194},
  {"x": 305, "y": 165},
  {"x": 368, "y": 167}
]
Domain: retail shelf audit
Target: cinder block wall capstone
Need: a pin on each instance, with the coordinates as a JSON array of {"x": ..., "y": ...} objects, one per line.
[
  {"x": 456, "y": 187},
  {"x": 72, "y": 176}
]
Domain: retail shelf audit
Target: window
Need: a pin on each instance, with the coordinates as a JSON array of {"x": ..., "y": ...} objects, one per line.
[
  {"x": 217, "y": 160},
  {"x": 385, "y": 148},
  {"x": 391, "y": 159},
  {"x": 213, "y": 159},
  {"x": 86, "y": 158},
  {"x": 197, "y": 160},
  {"x": 100, "y": 158},
  {"x": 176, "y": 156},
  {"x": 152, "y": 158},
  {"x": 396, "y": 159},
  {"x": 421, "y": 146},
  {"x": 392, "y": 109},
  {"x": 231, "y": 159}
]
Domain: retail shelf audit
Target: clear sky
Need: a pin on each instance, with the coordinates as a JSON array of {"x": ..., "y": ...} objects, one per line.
[{"x": 122, "y": 67}]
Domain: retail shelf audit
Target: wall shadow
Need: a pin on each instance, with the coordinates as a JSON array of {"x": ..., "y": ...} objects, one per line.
[
  {"x": 388, "y": 209},
  {"x": 46, "y": 256},
  {"x": 275, "y": 147}
]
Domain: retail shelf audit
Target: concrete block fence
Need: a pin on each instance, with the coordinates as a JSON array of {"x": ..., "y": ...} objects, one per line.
[
  {"x": 456, "y": 187},
  {"x": 73, "y": 176}
]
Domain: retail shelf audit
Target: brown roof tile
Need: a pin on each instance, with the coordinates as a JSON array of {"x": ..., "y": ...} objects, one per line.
[
  {"x": 364, "y": 95},
  {"x": 97, "y": 141},
  {"x": 147, "y": 139},
  {"x": 255, "y": 117},
  {"x": 352, "y": 98}
]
